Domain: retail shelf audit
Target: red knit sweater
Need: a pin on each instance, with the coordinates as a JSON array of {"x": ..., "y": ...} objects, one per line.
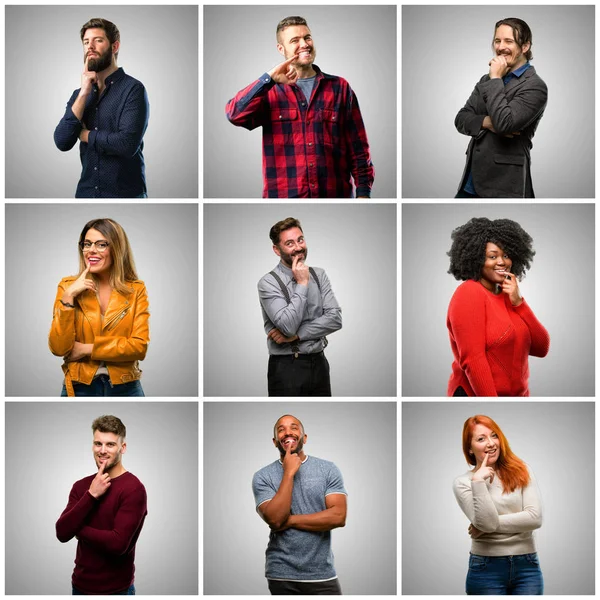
[
  {"x": 107, "y": 529},
  {"x": 491, "y": 340}
]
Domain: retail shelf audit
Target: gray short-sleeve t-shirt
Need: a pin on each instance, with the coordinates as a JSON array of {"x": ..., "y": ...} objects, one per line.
[{"x": 292, "y": 553}]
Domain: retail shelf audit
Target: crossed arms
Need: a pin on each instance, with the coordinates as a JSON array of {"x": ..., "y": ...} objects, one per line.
[
  {"x": 276, "y": 512},
  {"x": 127, "y": 521},
  {"x": 290, "y": 319},
  {"x": 475, "y": 501}
]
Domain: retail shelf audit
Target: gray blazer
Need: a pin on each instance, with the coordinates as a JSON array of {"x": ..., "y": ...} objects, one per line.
[{"x": 500, "y": 164}]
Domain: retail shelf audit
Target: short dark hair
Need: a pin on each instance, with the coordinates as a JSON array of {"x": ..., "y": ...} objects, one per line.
[
  {"x": 289, "y": 22},
  {"x": 281, "y": 417},
  {"x": 282, "y": 226},
  {"x": 469, "y": 241},
  {"x": 109, "y": 424},
  {"x": 521, "y": 32},
  {"x": 111, "y": 30}
]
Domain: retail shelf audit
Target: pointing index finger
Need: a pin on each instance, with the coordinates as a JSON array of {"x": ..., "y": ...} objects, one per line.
[{"x": 485, "y": 459}]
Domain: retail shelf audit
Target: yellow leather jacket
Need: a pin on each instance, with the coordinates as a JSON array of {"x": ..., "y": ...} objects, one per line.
[{"x": 120, "y": 340}]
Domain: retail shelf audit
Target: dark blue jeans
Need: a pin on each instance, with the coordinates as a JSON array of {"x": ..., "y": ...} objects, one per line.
[
  {"x": 517, "y": 575},
  {"x": 130, "y": 591},
  {"x": 101, "y": 386}
]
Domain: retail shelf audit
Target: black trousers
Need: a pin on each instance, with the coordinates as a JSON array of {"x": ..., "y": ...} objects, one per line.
[
  {"x": 320, "y": 588},
  {"x": 307, "y": 375}
]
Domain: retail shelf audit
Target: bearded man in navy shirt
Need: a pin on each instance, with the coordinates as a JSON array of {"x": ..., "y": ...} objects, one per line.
[{"x": 108, "y": 115}]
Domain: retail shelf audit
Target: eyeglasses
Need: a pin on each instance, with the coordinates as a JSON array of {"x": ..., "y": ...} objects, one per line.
[{"x": 100, "y": 246}]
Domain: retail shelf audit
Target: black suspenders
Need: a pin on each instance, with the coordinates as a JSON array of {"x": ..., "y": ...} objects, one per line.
[{"x": 286, "y": 295}]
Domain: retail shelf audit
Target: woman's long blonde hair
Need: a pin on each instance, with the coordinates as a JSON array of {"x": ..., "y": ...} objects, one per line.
[{"x": 122, "y": 269}]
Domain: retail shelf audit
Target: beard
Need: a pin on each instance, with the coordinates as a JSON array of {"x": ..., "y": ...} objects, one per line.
[
  {"x": 99, "y": 63},
  {"x": 288, "y": 259},
  {"x": 296, "y": 450}
]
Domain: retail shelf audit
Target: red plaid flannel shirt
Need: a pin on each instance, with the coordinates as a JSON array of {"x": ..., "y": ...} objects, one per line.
[{"x": 310, "y": 149}]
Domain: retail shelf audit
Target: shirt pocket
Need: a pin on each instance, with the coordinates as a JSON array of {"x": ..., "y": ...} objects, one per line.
[
  {"x": 331, "y": 127},
  {"x": 283, "y": 123}
]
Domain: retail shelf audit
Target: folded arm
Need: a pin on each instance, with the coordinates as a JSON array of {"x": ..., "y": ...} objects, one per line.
[
  {"x": 285, "y": 317},
  {"x": 127, "y": 522},
  {"x": 132, "y": 125},
  {"x": 329, "y": 321},
  {"x": 74, "y": 517},
  {"x": 326, "y": 520},
  {"x": 62, "y": 330},
  {"x": 468, "y": 121},
  {"x": 521, "y": 110},
  {"x": 69, "y": 127},
  {"x": 276, "y": 511},
  {"x": 248, "y": 108}
]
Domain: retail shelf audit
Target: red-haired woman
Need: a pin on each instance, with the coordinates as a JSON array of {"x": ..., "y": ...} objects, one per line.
[{"x": 502, "y": 502}]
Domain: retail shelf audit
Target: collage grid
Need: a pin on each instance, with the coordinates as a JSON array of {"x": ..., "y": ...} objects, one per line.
[{"x": 198, "y": 231}]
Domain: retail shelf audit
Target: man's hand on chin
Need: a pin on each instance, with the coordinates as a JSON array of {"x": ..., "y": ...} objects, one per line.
[{"x": 498, "y": 67}]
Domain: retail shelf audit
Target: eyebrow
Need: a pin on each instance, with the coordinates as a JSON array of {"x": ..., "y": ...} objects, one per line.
[{"x": 101, "y": 240}]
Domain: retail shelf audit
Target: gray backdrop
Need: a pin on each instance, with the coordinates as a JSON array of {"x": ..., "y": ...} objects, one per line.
[
  {"x": 556, "y": 439},
  {"x": 446, "y": 50},
  {"x": 359, "y": 437},
  {"x": 41, "y": 249},
  {"x": 559, "y": 288},
  {"x": 159, "y": 47},
  {"x": 357, "y": 43},
  {"x": 355, "y": 244},
  {"x": 49, "y": 448}
]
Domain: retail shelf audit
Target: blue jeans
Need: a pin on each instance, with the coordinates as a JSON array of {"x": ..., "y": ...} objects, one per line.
[
  {"x": 130, "y": 591},
  {"x": 517, "y": 575},
  {"x": 101, "y": 386}
]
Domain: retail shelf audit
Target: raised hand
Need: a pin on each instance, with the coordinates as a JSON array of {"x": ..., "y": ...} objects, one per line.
[
  {"x": 291, "y": 462},
  {"x": 300, "y": 270},
  {"x": 79, "y": 285},
  {"x": 88, "y": 79},
  {"x": 510, "y": 286},
  {"x": 498, "y": 67},
  {"x": 101, "y": 482},
  {"x": 284, "y": 72},
  {"x": 279, "y": 338},
  {"x": 484, "y": 472}
]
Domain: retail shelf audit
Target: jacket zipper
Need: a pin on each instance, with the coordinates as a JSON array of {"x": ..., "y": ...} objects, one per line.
[{"x": 115, "y": 320}]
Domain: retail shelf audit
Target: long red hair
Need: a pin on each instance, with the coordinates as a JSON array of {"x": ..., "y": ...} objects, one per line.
[{"x": 510, "y": 468}]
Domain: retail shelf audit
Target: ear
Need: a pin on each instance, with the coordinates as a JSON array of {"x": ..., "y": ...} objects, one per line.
[
  {"x": 304, "y": 438},
  {"x": 525, "y": 47},
  {"x": 124, "y": 448},
  {"x": 276, "y": 250},
  {"x": 115, "y": 47},
  {"x": 281, "y": 49},
  {"x": 275, "y": 442}
]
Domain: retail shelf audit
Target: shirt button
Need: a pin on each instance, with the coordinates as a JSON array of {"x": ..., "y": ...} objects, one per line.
[
  {"x": 96, "y": 187},
  {"x": 310, "y": 164},
  {"x": 267, "y": 79},
  {"x": 312, "y": 185},
  {"x": 333, "y": 118},
  {"x": 303, "y": 104},
  {"x": 95, "y": 169},
  {"x": 281, "y": 116},
  {"x": 96, "y": 128},
  {"x": 310, "y": 143}
]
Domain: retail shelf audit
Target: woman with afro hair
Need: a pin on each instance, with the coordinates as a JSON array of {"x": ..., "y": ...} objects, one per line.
[{"x": 492, "y": 329}]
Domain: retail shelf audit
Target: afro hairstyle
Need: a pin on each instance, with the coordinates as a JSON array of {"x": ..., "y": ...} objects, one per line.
[{"x": 469, "y": 241}]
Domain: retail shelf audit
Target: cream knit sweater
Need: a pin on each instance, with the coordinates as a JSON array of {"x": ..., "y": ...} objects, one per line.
[{"x": 507, "y": 520}]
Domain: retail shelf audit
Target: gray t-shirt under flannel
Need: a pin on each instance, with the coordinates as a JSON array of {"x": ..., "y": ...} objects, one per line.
[{"x": 292, "y": 553}]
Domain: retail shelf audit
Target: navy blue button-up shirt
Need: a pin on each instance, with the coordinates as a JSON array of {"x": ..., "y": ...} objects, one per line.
[{"x": 112, "y": 160}]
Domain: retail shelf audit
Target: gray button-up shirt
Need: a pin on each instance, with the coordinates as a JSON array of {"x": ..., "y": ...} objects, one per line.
[{"x": 311, "y": 314}]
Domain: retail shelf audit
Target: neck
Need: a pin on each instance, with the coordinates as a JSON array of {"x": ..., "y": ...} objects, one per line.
[
  {"x": 519, "y": 64},
  {"x": 103, "y": 279},
  {"x": 102, "y": 75},
  {"x": 488, "y": 285},
  {"x": 305, "y": 72},
  {"x": 117, "y": 470}
]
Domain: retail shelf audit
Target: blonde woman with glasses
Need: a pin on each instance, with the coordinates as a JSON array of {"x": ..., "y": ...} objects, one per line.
[{"x": 100, "y": 324}]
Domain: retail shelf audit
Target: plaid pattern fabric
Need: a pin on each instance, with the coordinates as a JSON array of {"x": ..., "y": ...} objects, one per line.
[
  {"x": 310, "y": 149},
  {"x": 112, "y": 161}
]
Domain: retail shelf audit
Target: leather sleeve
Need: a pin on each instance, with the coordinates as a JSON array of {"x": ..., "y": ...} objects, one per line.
[
  {"x": 115, "y": 348},
  {"x": 62, "y": 331}
]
